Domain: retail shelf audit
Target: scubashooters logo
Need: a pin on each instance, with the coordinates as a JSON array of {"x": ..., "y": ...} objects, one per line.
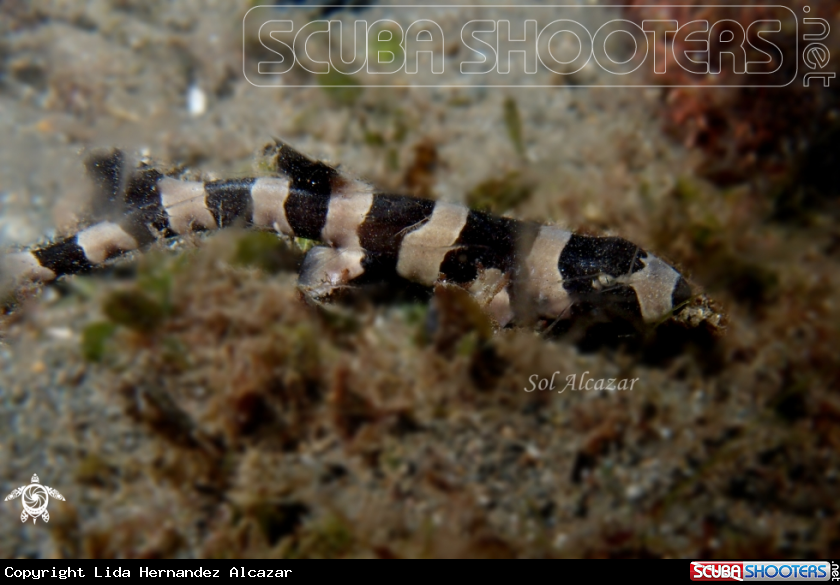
[
  {"x": 490, "y": 46},
  {"x": 35, "y": 498},
  {"x": 797, "y": 571}
]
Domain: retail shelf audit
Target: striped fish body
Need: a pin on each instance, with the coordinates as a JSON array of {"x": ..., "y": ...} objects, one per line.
[{"x": 517, "y": 271}]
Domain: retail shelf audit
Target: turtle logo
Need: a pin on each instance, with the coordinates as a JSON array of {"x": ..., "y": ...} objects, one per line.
[{"x": 35, "y": 499}]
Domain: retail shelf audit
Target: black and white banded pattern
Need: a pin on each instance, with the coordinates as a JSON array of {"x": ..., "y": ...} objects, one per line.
[{"x": 517, "y": 271}]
